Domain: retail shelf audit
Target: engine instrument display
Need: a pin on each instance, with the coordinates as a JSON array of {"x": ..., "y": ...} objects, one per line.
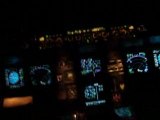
[
  {"x": 93, "y": 94},
  {"x": 90, "y": 66},
  {"x": 137, "y": 62},
  {"x": 40, "y": 75}
]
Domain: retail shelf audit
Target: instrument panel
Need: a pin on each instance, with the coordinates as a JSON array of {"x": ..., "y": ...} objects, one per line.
[
  {"x": 137, "y": 62},
  {"x": 14, "y": 77}
]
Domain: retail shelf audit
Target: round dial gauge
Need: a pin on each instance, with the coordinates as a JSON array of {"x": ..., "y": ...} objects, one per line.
[
  {"x": 137, "y": 63},
  {"x": 13, "y": 77},
  {"x": 41, "y": 75}
]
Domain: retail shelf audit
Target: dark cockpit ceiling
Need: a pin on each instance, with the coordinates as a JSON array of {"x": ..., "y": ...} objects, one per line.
[
  {"x": 29, "y": 18},
  {"x": 21, "y": 21}
]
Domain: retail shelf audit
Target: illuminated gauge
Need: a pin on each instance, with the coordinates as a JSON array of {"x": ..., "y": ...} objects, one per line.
[
  {"x": 137, "y": 63},
  {"x": 41, "y": 75},
  {"x": 93, "y": 95},
  {"x": 156, "y": 55},
  {"x": 13, "y": 77},
  {"x": 90, "y": 92},
  {"x": 90, "y": 66}
]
